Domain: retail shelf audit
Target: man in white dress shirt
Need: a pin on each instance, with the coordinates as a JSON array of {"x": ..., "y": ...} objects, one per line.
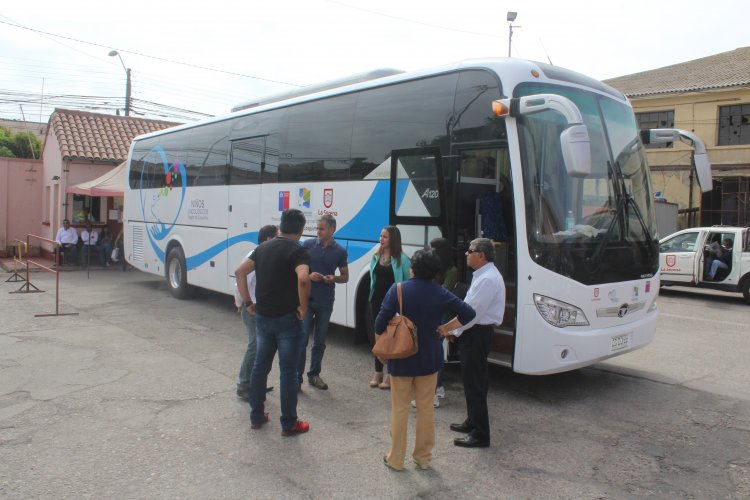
[
  {"x": 90, "y": 239},
  {"x": 487, "y": 296},
  {"x": 67, "y": 237}
]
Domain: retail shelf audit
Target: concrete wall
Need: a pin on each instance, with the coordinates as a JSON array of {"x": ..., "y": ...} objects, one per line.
[{"x": 20, "y": 201}]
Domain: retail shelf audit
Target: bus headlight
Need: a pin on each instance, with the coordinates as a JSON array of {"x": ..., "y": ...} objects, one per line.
[
  {"x": 653, "y": 307},
  {"x": 559, "y": 314}
]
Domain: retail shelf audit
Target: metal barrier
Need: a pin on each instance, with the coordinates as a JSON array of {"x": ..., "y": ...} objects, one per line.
[
  {"x": 17, "y": 256},
  {"x": 26, "y": 287}
]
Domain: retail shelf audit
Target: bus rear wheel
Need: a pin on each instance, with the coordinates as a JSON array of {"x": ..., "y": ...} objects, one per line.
[{"x": 177, "y": 274}]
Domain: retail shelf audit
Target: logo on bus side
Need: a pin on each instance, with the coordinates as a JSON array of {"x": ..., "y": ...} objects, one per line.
[
  {"x": 304, "y": 198},
  {"x": 671, "y": 260},
  {"x": 328, "y": 197},
  {"x": 162, "y": 208},
  {"x": 283, "y": 200}
]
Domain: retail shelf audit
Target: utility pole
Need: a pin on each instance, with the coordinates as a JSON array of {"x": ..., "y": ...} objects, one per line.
[{"x": 113, "y": 53}]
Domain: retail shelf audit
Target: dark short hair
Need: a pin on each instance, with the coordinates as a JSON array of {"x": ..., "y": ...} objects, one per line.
[
  {"x": 425, "y": 264},
  {"x": 292, "y": 221},
  {"x": 267, "y": 232},
  {"x": 728, "y": 242},
  {"x": 485, "y": 246},
  {"x": 66, "y": 221},
  {"x": 330, "y": 220}
]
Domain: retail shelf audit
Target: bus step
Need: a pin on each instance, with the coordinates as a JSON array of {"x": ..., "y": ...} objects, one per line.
[
  {"x": 504, "y": 330},
  {"x": 500, "y": 358}
]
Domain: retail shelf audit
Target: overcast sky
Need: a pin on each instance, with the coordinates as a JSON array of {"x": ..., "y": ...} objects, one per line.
[{"x": 272, "y": 46}]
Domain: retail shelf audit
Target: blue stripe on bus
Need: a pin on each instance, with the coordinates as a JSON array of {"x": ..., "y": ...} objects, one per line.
[{"x": 371, "y": 217}]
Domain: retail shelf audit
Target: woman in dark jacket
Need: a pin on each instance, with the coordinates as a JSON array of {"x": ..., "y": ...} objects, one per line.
[{"x": 424, "y": 303}]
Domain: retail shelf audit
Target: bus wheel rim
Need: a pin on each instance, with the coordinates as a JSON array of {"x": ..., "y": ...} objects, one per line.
[{"x": 175, "y": 273}]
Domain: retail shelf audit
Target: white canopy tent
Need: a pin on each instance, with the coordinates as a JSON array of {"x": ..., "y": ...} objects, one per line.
[{"x": 110, "y": 184}]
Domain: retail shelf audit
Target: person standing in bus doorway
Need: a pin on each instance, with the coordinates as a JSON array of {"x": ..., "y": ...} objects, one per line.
[
  {"x": 326, "y": 255},
  {"x": 282, "y": 290},
  {"x": 487, "y": 296},
  {"x": 248, "y": 317},
  {"x": 388, "y": 265}
]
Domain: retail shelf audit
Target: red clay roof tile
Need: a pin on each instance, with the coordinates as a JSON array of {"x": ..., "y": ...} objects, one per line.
[{"x": 95, "y": 136}]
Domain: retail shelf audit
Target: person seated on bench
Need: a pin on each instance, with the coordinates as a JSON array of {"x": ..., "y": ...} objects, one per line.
[
  {"x": 67, "y": 237},
  {"x": 105, "y": 246},
  {"x": 723, "y": 261},
  {"x": 90, "y": 239}
]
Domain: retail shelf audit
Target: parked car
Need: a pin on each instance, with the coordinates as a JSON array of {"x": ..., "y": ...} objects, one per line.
[{"x": 685, "y": 256}]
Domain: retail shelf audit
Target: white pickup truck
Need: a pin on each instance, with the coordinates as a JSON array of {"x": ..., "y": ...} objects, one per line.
[{"x": 684, "y": 257}]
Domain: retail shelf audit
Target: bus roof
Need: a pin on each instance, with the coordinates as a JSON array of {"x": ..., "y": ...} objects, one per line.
[{"x": 514, "y": 71}]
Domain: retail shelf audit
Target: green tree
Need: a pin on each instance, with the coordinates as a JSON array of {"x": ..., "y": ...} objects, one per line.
[
  {"x": 5, "y": 143},
  {"x": 20, "y": 145}
]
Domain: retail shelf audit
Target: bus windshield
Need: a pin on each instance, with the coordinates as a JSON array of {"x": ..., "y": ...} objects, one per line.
[{"x": 597, "y": 229}]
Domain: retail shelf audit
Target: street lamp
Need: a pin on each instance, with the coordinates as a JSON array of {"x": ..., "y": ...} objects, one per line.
[
  {"x": 510, "y": 18},
  {"x": 113, "y": 53}
]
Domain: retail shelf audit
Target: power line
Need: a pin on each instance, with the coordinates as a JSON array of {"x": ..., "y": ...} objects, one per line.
[{"x": 125, "y": 51}]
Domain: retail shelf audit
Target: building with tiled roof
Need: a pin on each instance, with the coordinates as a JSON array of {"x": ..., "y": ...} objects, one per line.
[
  {"x": 79, "y": 147},
  {"x": 710, "y": 97},
  {"x": 84, "y": 136},
  {"x": 718, "y": 72}
]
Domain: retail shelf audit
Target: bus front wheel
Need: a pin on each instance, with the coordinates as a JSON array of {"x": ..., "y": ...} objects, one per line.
[
  {"x": 746, "y": 289},
  {"x": 177, "y": 274}
]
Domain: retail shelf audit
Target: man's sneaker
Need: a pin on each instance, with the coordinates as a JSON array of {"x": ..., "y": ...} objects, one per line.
[
  {"x": 299, "y": 427},
  {"x": 435, "y": 402},
  {"x": 440, "y": 392},
  {"x": 243, "y": 395},
  {"x": 316, "y": 381},
  {"x": 260, "y": 424}
]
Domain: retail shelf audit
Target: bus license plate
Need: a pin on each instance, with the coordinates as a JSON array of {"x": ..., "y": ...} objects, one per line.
[{"x": 620, "y": 342}]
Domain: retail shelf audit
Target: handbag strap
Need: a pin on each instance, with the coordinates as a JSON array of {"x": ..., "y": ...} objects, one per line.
[{"x": 400, "y": 300}]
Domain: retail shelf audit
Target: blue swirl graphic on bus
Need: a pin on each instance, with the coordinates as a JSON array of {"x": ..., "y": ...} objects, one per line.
[{"x": 155, "y": 163}]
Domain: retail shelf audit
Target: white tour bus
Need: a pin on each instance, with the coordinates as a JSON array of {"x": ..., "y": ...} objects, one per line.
[{"x": 546, "y": 162}]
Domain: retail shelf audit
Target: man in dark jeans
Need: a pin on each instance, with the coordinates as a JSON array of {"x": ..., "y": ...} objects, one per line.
[
  {"x": 282, "y": 270},
  {"x": 326, "y": 255}
]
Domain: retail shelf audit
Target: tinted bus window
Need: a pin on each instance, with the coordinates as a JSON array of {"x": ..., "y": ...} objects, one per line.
[
  {"x": 152, "y": 159},
  {"x": 265, "y": 125},
  {"x": 472, "y": 115},
  {"x": 247, "y": 160},
  {"x": 316, "y": 140},
  {"x": 401, "y": 116},
  {"x": 207, "y": 156}
]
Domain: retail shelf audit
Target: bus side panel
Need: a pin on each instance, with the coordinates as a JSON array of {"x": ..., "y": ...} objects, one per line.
[
  {"x": 244, "y": 224},
  {"x": 205, "y": 256},
  {"x": 361, "y": 211}
]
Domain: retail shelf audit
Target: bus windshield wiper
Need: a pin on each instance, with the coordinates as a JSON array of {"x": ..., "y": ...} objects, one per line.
[
  {"x": 652, "y": 245},
  {"x": 596, "y": 255}
]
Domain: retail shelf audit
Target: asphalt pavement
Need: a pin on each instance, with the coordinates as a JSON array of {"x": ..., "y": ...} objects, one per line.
[{"x": 133, "y": 397}]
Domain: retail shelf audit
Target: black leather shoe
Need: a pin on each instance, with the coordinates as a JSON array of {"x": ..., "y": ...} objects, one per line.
[
  {"x": 463, "y": 427},
  {"x": 470, "y": 442}
]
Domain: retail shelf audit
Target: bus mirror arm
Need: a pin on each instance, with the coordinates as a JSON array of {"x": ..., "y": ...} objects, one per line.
[
  {"x": 700, "y": 156},
  {"x": 574, "y": 140}
]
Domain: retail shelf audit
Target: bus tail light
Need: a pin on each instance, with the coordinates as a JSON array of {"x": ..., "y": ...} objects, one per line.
[{"x": 559, "y": 314}]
